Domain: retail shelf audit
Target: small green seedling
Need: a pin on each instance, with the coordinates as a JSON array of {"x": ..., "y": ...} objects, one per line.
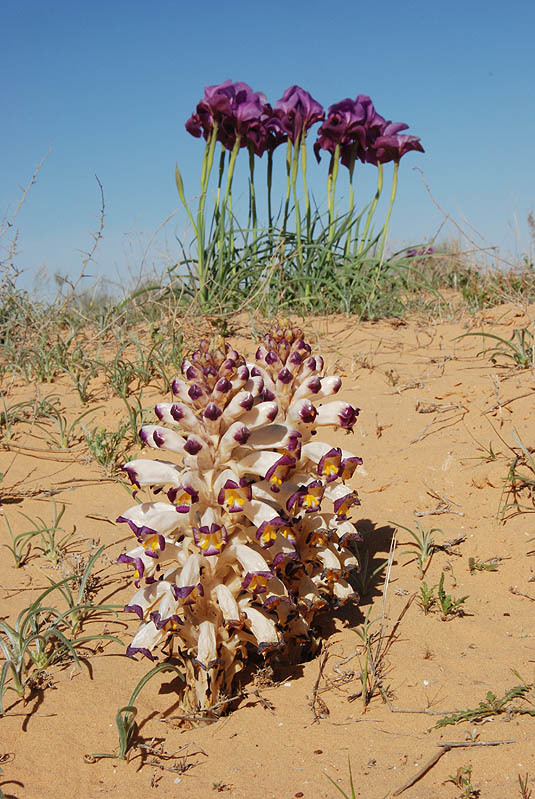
[
  {"x": 520, "y": 348},
  {"x": 106, "y": 447},
  {"x": 462, "y": 779},
  {"x": 38, "y": 639},
  {"x": 423, "y": 543},
  {"x": 351, "y": 784},
  {"x": 476, "y": 565},
  {"x": 525, "y": 790},
  {"x": 126, "y": 716},
  {"x": 427, "y": 598},
  {"x": 519, "y": 482},
  {"x": 52, "y": 547},
  {"x": 366, "y": 576},
  {"x": 492, "y": 706},
  {"x": 449, "y": 606}
]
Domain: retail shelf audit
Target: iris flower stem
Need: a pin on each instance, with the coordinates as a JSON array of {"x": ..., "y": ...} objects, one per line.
[
  {"x": 288, "y": 186},
  {"x": 305, "y": 187},
  {"x": 227, "y": 205},
  {"x": 269, "y": 185},
  {"x": 295, "y": 169},
  {"x": 377, "y": 275},
  {"x": 206, "y": 169},
  {"x": 331, "y": 186},
  {"x": 389, "y": 212},
  {"x": 252, "y": 198},
  {"x": 220, "y": 181},
  {"x": 351, "y": 207},
  {"x": 373, "y": 206}
]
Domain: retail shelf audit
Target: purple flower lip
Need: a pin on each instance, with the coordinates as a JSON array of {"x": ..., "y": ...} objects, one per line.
[
  {"x": 134, "y": 609},
  {"x": 158, "y": 622},
  {"x": 255, "y": 372},
  {"x": 295, "y": 359},
  {"x": 183, "y": 592},
  {"x": 176, "y": 412},
  {"x": 228, "y": 365},
  {"x": 175, "y": 387},
  {"x": 138, "y": 562},
  {"x": 195, "y": 392},
  {"x": 272, "y": 414},
  {"x": 348, "y": 466},
  {"x": 158, "y": 438},
  {"x": 192, "y": 446},
  {"x": 212, "y": 412},
  {"x": 247, "y": 402},
  {"x": 271, "y": 358},
  {"x": 343, "y": 504},
  {"x": 133, "y": 650},
  {"x": 223, "y": 385},
  {"x": 308, "y": 413},
  {"x": 258, "y": 589},
  {"x": 183, "y": 506},
  {"x": 348, "y": 416},
  {"x": 268, "y": 395},
  {"x": 242, "y": 435},
  {"x": 285, "y": 376}
]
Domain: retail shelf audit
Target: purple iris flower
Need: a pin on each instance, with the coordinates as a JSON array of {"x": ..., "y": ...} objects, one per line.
[
  {"x": 392, "y": 147},
  {"x": 236, "y": 110},
  {"x": 344, "y": 125},
  {"x": 295, "y": 113}
]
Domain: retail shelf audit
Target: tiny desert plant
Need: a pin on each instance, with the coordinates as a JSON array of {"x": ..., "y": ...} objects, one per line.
[
  {"x": 476, "y": 565},
  {"x": 368, "y": 573},
  {"x": 462, "y": 779},
  {"x": 494, "y": 706},
  {"x": 423, "y": 543},
  {"x": 106, "y": 447},
  {"x": 120, "y": 374},
  {"x": 50, "y": 545},
  {"x": 449, "y": 606},
  {"x": 520, "y": 480},
  {"x": 126, "y": 716},
  {"x": 520, "y": 348},
  {"x": 368, "y": 659},
  {"x": 427, "y": 598},
  {"x": 38, "y": 639},
  {"x": 525, "y": 790},
  {"x": 353, "y": 794},
  {"x": 62, "y": 434}
]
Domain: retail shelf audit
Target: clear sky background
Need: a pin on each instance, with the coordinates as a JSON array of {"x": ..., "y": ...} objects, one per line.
[{"x": 109, "y": 84}]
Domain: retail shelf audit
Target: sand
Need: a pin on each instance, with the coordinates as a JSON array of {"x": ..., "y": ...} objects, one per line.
[{"x": 430, "y": 410}]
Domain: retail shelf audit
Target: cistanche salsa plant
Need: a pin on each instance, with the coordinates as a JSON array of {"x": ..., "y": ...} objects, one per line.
[{"x": 245, "y": 536}]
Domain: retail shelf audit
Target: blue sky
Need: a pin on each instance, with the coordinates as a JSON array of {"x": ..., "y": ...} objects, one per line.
[{"x": 109, "y": 84}]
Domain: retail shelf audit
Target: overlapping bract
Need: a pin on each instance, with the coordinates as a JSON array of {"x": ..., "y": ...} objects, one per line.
[{"x": 253, "y": 537}]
